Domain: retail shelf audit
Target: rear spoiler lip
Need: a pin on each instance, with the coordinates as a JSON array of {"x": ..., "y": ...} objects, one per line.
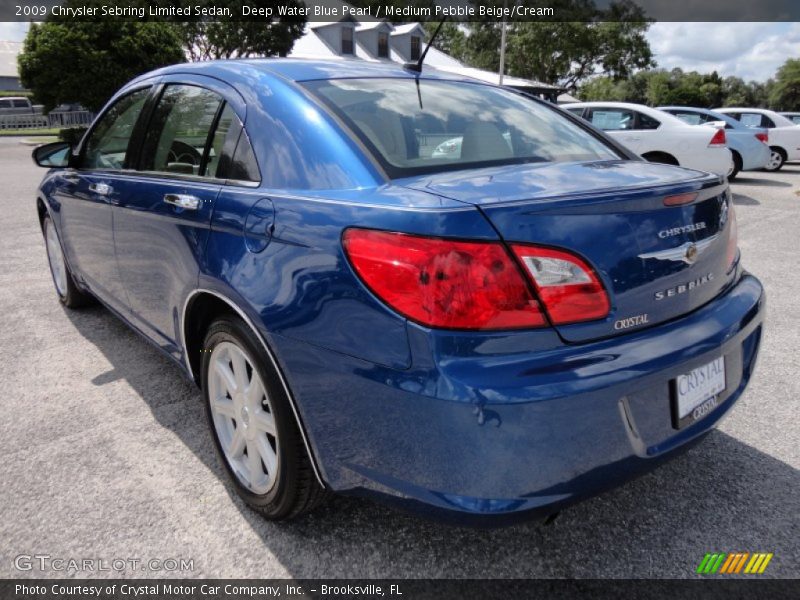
[{"x": 706, "y": 186}]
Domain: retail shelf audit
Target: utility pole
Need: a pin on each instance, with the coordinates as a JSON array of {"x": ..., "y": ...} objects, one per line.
[{"x": 503, "y": 45}]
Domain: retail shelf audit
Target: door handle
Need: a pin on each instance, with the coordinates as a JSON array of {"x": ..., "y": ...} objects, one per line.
[
  {"x": 183, "y": 201},
  {"x": 101, "y": 189}
]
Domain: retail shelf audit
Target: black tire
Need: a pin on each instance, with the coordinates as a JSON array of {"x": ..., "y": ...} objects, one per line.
[
  {"x": 661, "y": 157},
  {"x": 295, "y": 489},
  {"x": 778, "y": 155},
  {"x": 68, "y": 292},
  {"x": 737, "y": 165}
]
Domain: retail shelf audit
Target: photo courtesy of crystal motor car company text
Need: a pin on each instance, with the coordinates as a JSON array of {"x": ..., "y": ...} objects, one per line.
[{"x": 328, "y": 247}]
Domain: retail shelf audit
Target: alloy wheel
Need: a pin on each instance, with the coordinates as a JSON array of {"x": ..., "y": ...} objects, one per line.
[
  {"x": 775, "y": 161},
  {"x": 243, "y": 417},
  {"x": 56, "y": 258}
]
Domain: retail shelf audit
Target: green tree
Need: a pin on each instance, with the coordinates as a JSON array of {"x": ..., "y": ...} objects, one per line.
[
  {"x": 481, "y": 48},
  {"x": 87, "y": 62},
  {"x": 603, "y": 88},
  {"x": 785, "y": 91},
  {"x": 210, "y": 38},
  {"x": 585, "y": 42},
  {"x": 451, "y": 39}
]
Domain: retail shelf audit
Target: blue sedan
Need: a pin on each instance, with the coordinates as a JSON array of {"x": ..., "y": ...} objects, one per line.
[
  {"x": 749, "y": 147},
  {"x": 482, "y": 335}
]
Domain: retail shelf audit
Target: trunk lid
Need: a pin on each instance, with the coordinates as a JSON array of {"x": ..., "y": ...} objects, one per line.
[{"x": 656, "y": 262}]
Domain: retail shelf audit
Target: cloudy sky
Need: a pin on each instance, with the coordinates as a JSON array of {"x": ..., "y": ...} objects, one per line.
[{"x": 749, "y": 50}]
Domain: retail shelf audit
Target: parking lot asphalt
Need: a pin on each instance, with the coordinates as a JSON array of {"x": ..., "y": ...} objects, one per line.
[{"x": 106, "y": 454}]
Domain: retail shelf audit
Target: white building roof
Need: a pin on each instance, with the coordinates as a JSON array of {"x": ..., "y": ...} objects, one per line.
[
  {"x": 8, "y": 58},
  {"x": 313, "y": 44}
]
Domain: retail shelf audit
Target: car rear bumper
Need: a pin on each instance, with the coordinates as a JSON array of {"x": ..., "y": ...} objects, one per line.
[
  {"x": 480, "y": 433},
  {"x": 715, "y": 160}
]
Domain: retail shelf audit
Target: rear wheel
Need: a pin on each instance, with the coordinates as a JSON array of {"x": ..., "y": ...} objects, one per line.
[
  {"x": 68, "y": 293},
  {"x": 255, "y": 433},
  {"x": 736, "y": 167},
  {"x": 776, "y": 159}
]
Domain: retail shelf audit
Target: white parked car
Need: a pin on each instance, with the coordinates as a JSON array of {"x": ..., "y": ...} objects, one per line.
[
  {"x": 794, "y": 117},
  {"x": 659, "y": 137},
  {"x": 784, "y": 134}
]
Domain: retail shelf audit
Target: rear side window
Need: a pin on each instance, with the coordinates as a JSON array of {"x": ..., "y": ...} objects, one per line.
[
  {"x": 5, "y": 104},
  {"x": 423, "y": 126},
  {"x": 180, "y": 129},
  {"x": 107, "y": 145},
  {"x": 750, "y": 119},
  {"x": 647, "y": 122},
  {"x": 244, "y": 166}
]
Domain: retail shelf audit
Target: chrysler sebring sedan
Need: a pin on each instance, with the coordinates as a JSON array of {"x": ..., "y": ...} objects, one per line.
[{"x": 480, "y": 335}]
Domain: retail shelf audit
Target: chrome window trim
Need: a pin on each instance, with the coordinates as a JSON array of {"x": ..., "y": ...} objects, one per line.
[{"x": 269, "y": 353}]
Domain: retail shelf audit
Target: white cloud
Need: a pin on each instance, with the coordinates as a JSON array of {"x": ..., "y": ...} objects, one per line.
[
  {"x": 747, "y": 50},
  {"x": 13, "y": 32}
]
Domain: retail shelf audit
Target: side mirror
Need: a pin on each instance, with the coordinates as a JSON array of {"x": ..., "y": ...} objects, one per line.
[{"x": 52, "y": 155}]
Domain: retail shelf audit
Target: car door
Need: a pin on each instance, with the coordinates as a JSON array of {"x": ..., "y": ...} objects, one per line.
[
  {"x": 162, "y": 219},
  {"x": 87, "y": 192},
  {"x": 620, "y": 123}
]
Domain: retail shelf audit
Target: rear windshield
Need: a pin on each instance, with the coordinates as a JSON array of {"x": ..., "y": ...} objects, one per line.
[{"x": 424, "y": 126}]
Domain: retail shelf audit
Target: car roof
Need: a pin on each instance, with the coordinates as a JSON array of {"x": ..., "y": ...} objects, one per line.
[
  {"x": 761, "y": 111},
  {"x": 662, "y": 116},
  {"x": 707, "y": 111},
  {"x": 300, "y": 69}
]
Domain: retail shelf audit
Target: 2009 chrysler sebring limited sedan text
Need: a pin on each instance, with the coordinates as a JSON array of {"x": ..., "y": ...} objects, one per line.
[{"x": 486, "y": 333}]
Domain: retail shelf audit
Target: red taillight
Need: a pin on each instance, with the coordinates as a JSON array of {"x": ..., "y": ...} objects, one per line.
[
  {"x": 566, "y": 285},
  {"x": 733, "y": 237},
  {"x": 444, "y": 283},
  {"x": 718, "y": 139},
  {"x": 763, "y": 138}
]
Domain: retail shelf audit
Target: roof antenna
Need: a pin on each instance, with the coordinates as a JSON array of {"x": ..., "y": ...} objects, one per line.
[{"x": 417, "y": 66}]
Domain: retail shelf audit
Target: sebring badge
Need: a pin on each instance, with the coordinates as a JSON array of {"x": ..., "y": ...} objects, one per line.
[{"x": 684, "y": 287}]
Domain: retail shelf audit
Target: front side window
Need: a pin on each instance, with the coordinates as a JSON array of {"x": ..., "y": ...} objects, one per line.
[
  {"x": 795, "y": 119},
  {"x": 107, "y": 145},
  {"x": 383, "y": 45},
  {"x": 416, "y": 47},
  {"x": 416, "y": 126},
  {"x": 347, "y": 40},
  {"x": 612, "y": 119},
  {"x": 21, "y": 104},
  {"x": 180, "y": 131},
  {"x": 690, "y": 118}
]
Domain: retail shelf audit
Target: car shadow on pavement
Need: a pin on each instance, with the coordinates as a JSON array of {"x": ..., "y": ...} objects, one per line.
[
  {"x": 721, "y": 496},
  {"x": 760, "y": 182},
  {"x": 742, "y": 200}
]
